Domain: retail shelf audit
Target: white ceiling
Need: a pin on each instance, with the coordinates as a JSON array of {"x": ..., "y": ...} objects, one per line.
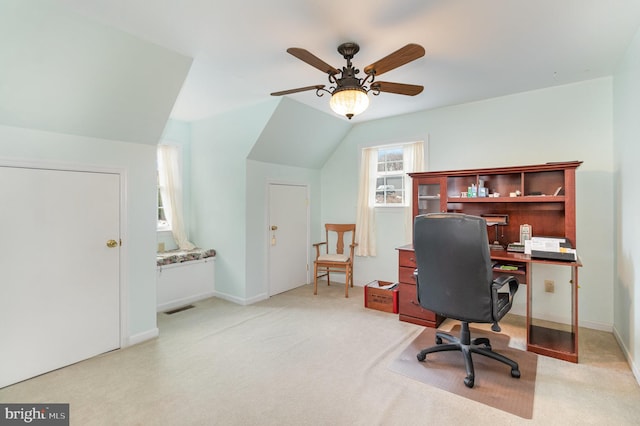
[{"x": 476, "y": 49}]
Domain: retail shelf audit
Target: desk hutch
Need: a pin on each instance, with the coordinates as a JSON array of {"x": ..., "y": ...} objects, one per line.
[{"x": 542, "y": 196}]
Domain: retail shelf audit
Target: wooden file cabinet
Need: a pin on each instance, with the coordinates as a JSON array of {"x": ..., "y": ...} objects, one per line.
[{"x": 409, "y": 309}]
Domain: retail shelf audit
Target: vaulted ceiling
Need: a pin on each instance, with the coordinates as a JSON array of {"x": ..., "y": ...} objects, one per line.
[
  {"x": 117, "y": 69},
  {"x": 475, "y": 49}
]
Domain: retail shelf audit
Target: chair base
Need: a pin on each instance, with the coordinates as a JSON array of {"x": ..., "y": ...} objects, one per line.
[
  {"x": 325, "y": 271},
  {"x": 466, "y": 345}
]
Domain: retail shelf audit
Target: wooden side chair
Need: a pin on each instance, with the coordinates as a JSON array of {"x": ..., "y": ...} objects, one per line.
[{"x": 337, "y": 261}]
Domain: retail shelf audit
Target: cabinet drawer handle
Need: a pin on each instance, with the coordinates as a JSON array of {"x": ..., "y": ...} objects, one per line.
[
  {"x": 413, "y": 302},
  {"x": 412, "y": 259}
]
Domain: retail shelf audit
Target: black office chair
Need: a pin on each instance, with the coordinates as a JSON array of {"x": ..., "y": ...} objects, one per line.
[{"x": 454, "y": 278}]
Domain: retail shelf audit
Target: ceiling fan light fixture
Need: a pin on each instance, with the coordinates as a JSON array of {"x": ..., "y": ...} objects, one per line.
[
  {"x": 349, "y": 94},
  {"x": 349, "y": 101}
]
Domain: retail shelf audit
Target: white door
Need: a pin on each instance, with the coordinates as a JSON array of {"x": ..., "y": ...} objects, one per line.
[
  {"x": 288, "y": 237},
  {"x": 59, "y": 281}
]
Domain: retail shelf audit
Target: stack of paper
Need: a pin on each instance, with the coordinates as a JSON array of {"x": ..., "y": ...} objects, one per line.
[{"x": 550, "y": 248}]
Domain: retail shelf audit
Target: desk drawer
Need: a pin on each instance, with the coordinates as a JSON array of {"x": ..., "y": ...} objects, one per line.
[
  {"x": 409, "y": 306},
  {"x": 407, "y": 258},
  {"x": 405, "y": 275}
]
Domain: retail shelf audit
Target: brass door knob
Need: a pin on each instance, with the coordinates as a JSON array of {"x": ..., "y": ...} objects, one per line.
[
  {"x": 112, "y": 243},
  {"x": 274, "y": 228}
]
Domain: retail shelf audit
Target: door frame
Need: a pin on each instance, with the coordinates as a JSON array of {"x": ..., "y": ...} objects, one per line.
[
  {"x": 267, "y": 235},
  {"x": 90, "y": 168}
]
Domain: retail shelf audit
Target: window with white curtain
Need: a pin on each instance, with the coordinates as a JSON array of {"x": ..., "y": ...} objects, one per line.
[
  {"x": 384, "y": 183},
  {"x": 170, "y": 194}
]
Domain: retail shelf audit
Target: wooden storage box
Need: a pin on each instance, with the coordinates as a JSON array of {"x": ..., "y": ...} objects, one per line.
[{"x": 381, "y": 299}]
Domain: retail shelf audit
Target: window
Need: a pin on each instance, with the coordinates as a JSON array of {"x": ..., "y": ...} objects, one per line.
[
  {"x": 390, "y": 177},
  {"x": 163, "y": 223}
]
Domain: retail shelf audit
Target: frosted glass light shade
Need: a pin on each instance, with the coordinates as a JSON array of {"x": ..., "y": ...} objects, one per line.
[{"x": 349, "y": 102}]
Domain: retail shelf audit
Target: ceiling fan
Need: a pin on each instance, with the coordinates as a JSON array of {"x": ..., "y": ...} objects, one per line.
[{"x": 348, "y": 92}]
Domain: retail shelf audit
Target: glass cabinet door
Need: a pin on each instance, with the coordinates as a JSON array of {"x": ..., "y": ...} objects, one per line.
[{"x": 431, "y": 193}]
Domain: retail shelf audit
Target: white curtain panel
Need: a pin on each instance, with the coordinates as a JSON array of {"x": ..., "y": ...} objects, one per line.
[
  {"x": 171, "y": 193},
  {"x": 413, "y": 162},
  {"x": 365, "y": 213}
]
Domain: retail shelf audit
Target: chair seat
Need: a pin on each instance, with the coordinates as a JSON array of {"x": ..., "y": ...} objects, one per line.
[
  {"x": 337, "y": 259},
  {"x": 333, "y": 258}
]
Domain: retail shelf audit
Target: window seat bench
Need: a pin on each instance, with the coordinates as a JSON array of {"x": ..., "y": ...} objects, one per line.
[{"x": 184, "y": 277}]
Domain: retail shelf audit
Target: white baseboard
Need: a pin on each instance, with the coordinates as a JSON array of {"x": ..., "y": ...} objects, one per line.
[
  {"x": 257, "y": 298},
  {"x": 241, "y": 301},
  {"x": 229, "y": 298},
  {"x": 178, "y": 303},
  {"x": 596, "y": 326},
  {"x": 142, "y": 337},
  {"x": 627, "y": 355}
]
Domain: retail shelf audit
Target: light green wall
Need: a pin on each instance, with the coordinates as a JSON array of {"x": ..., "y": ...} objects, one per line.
[
  {"x": 626, "y": 112},
  {"x": 572, "y": 122},
  {"x": 138, "y": 161},
  {"x": 219, "y": 149}
]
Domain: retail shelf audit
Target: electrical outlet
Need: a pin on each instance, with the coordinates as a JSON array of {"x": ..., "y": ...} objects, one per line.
[{"x": 549, "y": 286}]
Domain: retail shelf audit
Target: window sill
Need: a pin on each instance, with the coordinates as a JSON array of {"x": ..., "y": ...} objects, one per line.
[{"x": 399, "y": 206}]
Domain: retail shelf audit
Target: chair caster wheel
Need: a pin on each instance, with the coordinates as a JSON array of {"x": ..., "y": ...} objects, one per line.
[
  {"x": 438, "y": 341},
  {"x": 469, "y": 382},
  {"x": 421, "y": 357},
  {"x": 515, "y": 373}
]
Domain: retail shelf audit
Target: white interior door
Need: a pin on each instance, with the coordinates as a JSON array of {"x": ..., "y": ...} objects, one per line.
[
  {"x": 59, "y": 281},
  {"x": 288, "y": 253}
]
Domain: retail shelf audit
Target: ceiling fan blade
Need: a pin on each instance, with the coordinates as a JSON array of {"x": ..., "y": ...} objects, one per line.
[
  {"x": 300, "y": 89},
  {"x": 402, "y": 56},
  {"x": 313, "y": 60},
  {"x": 398, "y": 88}
]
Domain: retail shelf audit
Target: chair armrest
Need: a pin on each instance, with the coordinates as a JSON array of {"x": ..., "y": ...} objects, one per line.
[
  {"x": 317, "y": 246},
  {"x": 502, "y": 305},
  {"x": 503, "y": 280},
  {"x": 352, "y": 246}
]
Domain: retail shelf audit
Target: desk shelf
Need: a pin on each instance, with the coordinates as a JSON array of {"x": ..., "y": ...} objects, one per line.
[
  {"x": 552, "y": 342},
  {"x": 526, "y": 199}
]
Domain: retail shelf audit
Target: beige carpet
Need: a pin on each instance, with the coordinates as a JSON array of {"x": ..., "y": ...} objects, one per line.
[
  {"x": 303, "y": 360},
  {"x": 494, "y": 385}
]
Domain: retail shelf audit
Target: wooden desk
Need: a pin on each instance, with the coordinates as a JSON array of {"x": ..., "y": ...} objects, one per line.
[{"x": 543, "y": 337}]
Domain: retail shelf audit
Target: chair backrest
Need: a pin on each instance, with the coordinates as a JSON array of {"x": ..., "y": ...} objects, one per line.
[
  {"x": 340, "y": 229},
  {"x": 454, "y": 266}
]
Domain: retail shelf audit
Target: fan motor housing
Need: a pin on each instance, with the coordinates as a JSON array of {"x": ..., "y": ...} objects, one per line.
[{"x": 348, "y": 50}]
